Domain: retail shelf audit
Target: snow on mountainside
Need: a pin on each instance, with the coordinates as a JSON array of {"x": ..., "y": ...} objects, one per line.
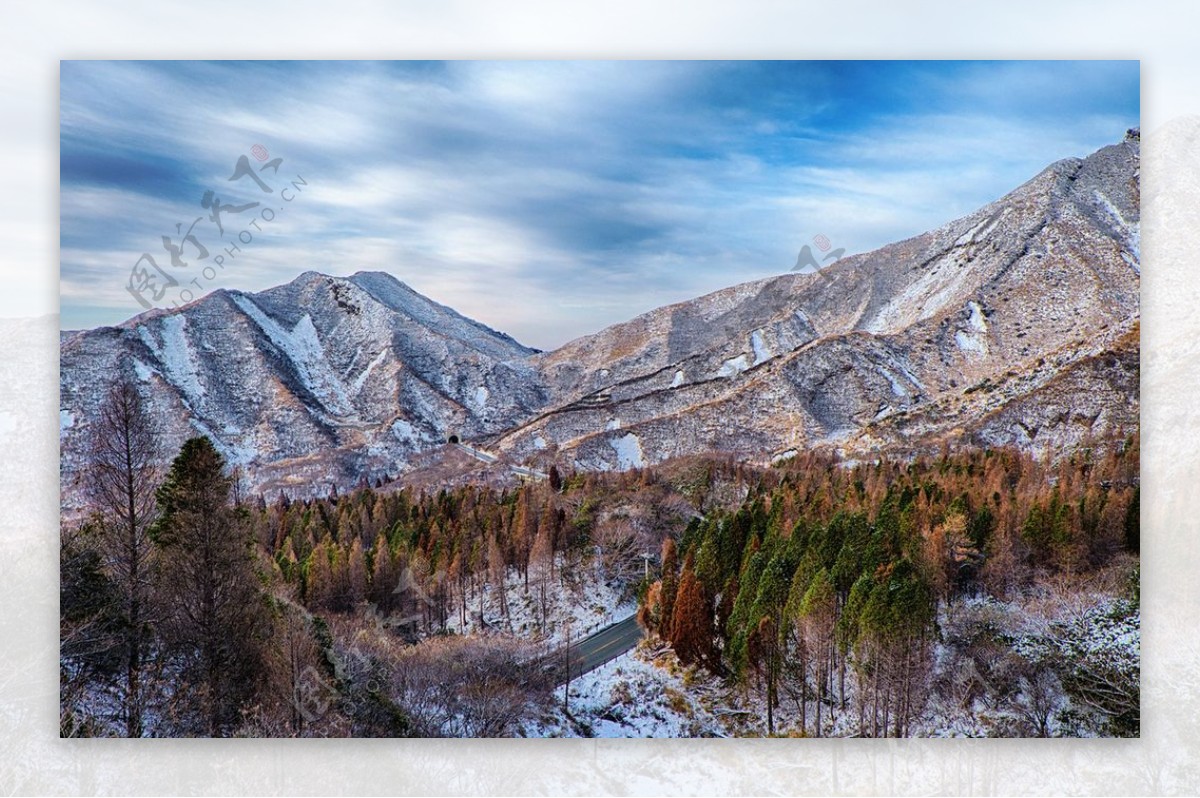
[
  {"x": 319, "y": 381},
  {"x": 1017, "y": 324},
  {"x": 1030, "y": 303}
]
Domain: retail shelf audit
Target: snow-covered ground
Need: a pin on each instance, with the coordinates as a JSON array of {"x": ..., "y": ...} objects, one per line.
[
  {"x": 643, "y": 693},
  {"x": 629, "y": 451},
  {"x": 583, "y": 607},
  {"x": 974, "y": 690},
  {"x": 1048, "y": 639}
]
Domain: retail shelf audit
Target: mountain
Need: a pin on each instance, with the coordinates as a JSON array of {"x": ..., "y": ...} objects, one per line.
[
  {"x": 1017, "y": 324},
  {"x": 319, "y": 381}
]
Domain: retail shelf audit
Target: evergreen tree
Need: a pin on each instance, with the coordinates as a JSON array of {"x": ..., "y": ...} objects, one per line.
[
  {"x": 383, "y": 575},
  {"x": 320, "y": 590},
  {"x": 90, "y": 632},
  {"x": 217, "y": 617}
]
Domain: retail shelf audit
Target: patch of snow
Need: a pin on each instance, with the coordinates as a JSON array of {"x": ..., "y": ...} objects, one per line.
[
  {"x": 980, "y": 230},
  {"x": 635, "y": 697},
  {"x": 907, "y": 372},
  {"x": 235, "y": 453},
  {"x": 785, "y": 455},
  {"x": 175, "y": 355},
  {"x": 548, "y": 606},
  {"x": 675, "y": 383},
  {"x": 539, "y": 442},
  {"x": 142, "y": 370},
  {"x": 1132, "y": 230},
  {"x": 362, "y": 378},
  {"x": 759, "y": 347},
  {"x": 421, "y": 402},
  {"x": 66, "y": 419},
  {"x": 897, "y": 386},
  {"x": 144, "y": 333},
  {"x": 629, "y": 451},
  {"x": 1078, "y": 629},
  {"x": 303, "y": 348},
  {"x": 969, "y": 343},
  {"x": 479, "y": 397},
  {"x": 613, "y": 424},
  {"x": 734, "y": 366},
  {"x": 977, "y": 321},
  {"x": 405, "y": 432},
  {"x": 1133, "y": 264},
  {"x": 946, "y": 278},
  {"x": 353, "y": 360},
  {"x": 974, "y": 339}
]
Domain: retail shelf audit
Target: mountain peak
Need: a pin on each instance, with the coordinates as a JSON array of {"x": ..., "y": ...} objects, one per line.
[
  {"x": 964, "y": 330},
  {"x": 983, "y": 328}
]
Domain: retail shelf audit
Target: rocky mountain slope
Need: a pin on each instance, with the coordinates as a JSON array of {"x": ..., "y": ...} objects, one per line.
[
  {"x": 317, "y": 382},
  {"x": 1017, "y": 324},
  {"x": 1014, "y": 325}
]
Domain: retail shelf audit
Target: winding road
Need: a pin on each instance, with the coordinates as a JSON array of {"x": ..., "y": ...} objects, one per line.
[
  {"x": 600, "y": 647},
  {"x": 489, "y": 458}
]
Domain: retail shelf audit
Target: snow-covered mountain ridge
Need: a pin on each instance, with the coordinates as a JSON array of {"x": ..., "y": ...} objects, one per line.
[
  {"x": 1017, "y": 324},
  {"x": 309, "y": 384}
]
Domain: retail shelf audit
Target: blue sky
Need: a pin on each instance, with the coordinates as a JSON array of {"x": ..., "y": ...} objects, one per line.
[{"x": 546, "y": 199}]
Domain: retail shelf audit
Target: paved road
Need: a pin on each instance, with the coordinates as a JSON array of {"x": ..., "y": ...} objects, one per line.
[
  {"x": 598, "y": 648},
  {"x": 478, "y": 454},
  {"x": 488, "y": 457}
]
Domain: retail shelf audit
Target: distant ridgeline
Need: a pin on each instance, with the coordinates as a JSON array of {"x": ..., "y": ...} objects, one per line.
[{"x": 1016, "y": 325}]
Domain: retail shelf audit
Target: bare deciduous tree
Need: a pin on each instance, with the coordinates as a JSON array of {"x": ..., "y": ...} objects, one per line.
[
  {"x": 122, "y": 479},
  {"x": 1040, "y": 696},
  {"x": 470, "y": 687}
]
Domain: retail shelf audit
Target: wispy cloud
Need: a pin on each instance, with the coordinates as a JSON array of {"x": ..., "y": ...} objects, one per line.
[{"x": 549, "y": 199}]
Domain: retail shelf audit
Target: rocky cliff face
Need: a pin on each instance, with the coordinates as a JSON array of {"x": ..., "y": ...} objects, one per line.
[{"x": 1015, "y": 325}]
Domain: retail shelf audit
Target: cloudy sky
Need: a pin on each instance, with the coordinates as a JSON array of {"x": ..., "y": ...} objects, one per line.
[{"x": 544, "y": 199}]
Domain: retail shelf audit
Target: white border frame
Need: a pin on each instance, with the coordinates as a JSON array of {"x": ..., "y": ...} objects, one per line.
[{"x": 35, "y": 37}]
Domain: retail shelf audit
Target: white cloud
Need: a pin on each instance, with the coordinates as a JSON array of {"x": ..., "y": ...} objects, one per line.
[{"x": 582, "y": 191}]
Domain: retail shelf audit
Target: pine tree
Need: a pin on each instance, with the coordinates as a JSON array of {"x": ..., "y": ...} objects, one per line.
[
  {"x": 90, "y": 626},
  {"x": 817, "y": 616},
  {"x": 1133, "y": 523},
  {"x": 542, "y": 557},
  {"x": 218, "y": 617},
  {"x": 497, "y": 571}
]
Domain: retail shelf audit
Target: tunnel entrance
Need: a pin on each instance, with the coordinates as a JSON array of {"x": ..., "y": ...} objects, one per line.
[{"x": 453, "y": 439}]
